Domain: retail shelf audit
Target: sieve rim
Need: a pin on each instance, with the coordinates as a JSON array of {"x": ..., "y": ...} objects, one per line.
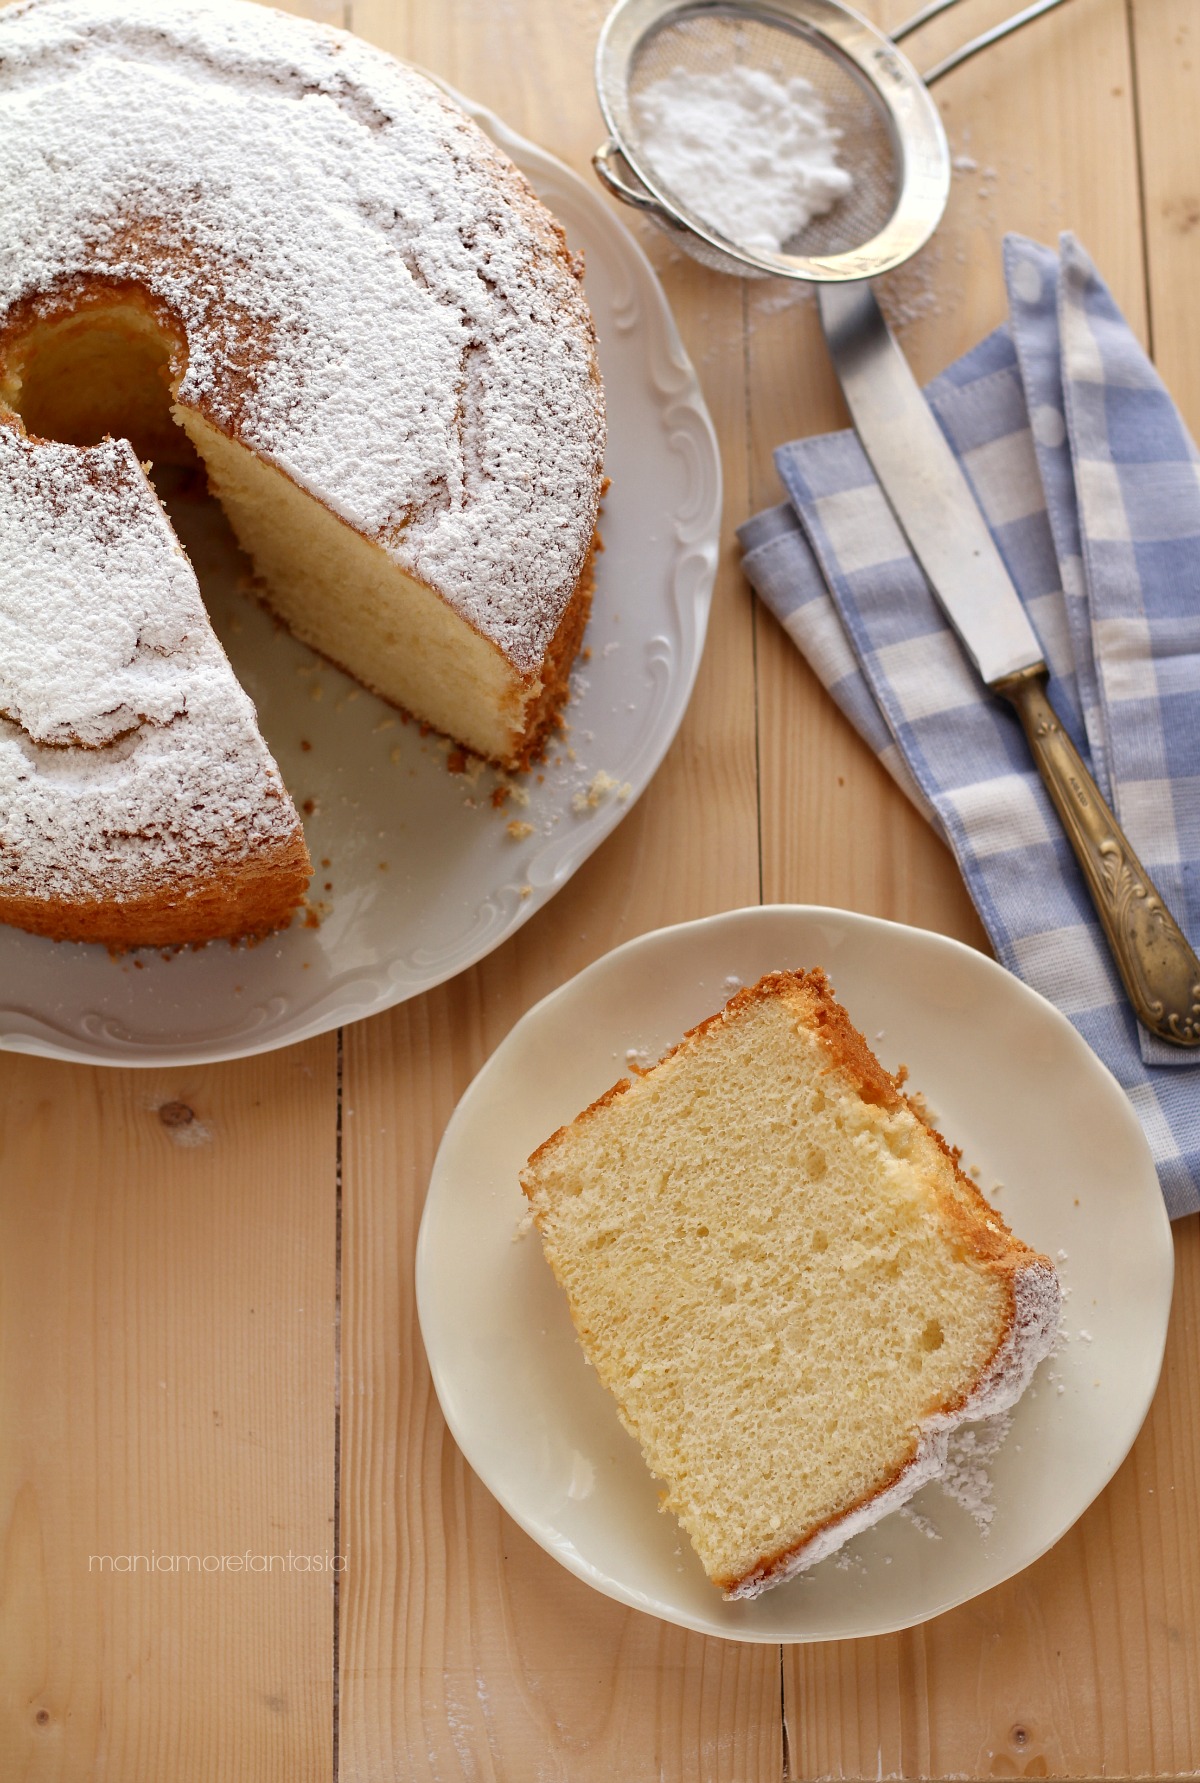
[{"x": 919, "y": 139}]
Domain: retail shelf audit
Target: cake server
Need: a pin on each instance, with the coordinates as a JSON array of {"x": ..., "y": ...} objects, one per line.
[{"x": 937, "y": 511}]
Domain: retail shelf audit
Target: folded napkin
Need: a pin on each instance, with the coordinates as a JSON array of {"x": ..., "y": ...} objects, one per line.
[{"x": 1091, "y": 488}]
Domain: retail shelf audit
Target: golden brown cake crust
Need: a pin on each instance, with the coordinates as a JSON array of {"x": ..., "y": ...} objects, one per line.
[
  {"x": 243, "y": 903},
  {"x": 306, "y": 179},
  {"x": 138, "y": 802},
  {"x": 543, "y": 716},
  {"x": 977, "y": 1227}
]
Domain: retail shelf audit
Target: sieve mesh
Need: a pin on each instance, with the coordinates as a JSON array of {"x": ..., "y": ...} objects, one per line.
[{"x": 716, "y": 39}]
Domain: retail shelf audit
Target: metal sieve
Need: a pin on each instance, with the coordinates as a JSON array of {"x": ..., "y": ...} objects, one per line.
[{"x": 892, "y": 139}]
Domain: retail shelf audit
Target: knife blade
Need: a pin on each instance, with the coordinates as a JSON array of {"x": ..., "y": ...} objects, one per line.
[
  {"x": 937, "y": 511},
  {"x": 928, "y": 492}
]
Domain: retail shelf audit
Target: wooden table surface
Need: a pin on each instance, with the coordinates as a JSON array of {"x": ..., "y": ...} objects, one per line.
[{"x": 208, "y": 1342}]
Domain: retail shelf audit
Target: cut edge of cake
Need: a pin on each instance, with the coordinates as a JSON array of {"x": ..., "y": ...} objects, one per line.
[
  {"x": 1027, "y": 1342},
  {"x": 342, "y": 594},
  {"x": 1029, "y": 1280}
]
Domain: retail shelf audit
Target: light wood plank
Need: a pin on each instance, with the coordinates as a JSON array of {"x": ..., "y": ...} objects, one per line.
[
  {"x": 466, "y": 1651},
  {"x": 1166, "y": 41},
  {"x": 1086, "y": 1665},
  {"x": 1078, "y": 1667},
  {"x": 167, "y": 1322},
  {"x": 130, "y": 1258},
  {"x": 166, "y": 1375}
]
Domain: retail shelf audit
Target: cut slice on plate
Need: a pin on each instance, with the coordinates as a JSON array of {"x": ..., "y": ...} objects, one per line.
[{"x": 777, "y": 1268}]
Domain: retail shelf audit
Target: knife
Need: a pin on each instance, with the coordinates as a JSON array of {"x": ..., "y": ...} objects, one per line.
[{"x": 936, "y": 510}]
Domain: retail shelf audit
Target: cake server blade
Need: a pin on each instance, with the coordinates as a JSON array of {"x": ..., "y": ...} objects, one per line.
[
  {"x": 936, "y": 510},
  {"x": 927, "y": 491}
]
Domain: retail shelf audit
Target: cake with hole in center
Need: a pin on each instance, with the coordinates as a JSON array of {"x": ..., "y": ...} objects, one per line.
[
  {"x": 233, "y": 235},
  {"x": 781, "y": 1274}
]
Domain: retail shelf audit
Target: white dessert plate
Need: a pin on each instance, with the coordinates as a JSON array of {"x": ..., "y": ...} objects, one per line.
[
  {"x": 1005, "y": 1076},
  {"x": 419, "y": 874}
]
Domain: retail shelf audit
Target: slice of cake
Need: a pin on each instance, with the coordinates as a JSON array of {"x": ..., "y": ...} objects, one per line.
[
  {"x": 781, "y": 1274},
  {"x": 139, "y": 805}
]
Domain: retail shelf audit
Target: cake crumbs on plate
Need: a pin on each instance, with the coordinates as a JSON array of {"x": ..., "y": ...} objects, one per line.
[
  {"x": 598, "y": 788},
  {"x": 518, "y": 830},
  {"x": 467, "y": 766}
]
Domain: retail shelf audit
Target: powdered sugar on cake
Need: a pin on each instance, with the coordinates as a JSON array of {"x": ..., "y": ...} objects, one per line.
[
  {"x": 370, "y": 298},
  {"x": 97, "y": 645},
  {"x": 127, "y": 748}
]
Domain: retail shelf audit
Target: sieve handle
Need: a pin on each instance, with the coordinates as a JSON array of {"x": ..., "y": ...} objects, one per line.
[
  {"x": 602, "y": 161},
  {"x": 983, "y": 42}
]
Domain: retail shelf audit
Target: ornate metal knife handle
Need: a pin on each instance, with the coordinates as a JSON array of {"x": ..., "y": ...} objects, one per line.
[{"x": 1158, "y": 968}]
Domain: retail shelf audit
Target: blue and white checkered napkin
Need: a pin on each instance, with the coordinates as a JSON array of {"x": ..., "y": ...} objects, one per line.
[{"x": 1091, "y": 488}]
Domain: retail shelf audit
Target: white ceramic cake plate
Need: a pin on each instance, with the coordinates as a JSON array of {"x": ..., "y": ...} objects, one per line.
[
  {"x": 424, "y": 876},
  {"x": 1005, "y": 1076}
]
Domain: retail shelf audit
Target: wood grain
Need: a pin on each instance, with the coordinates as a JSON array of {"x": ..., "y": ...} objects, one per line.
[
  {"x": 1165, "y": 42},
  {"x": 1041, "y": 142},
  {"x": 466, "y": 1651},
  {"x": 1075, "y": 1668},
  {"x": 183, "y": 1372},
  {"x": 167, "y": 1400},
  {"x": 1086, "y": 1665},
  {"x": 166, "y": 1403}
]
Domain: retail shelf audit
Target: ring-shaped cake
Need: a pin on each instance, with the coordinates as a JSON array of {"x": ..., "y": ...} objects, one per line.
[{"x": 233, "y": 234}]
